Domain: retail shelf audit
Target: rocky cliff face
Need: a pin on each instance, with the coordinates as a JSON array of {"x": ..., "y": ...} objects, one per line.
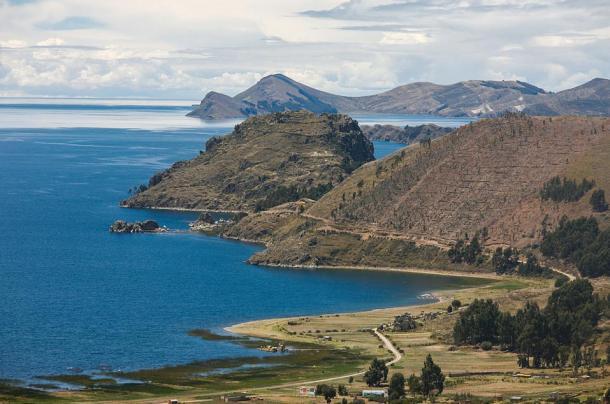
[
  {"x": 266, "y": 161},
  {"x": 474, "y": 98}
]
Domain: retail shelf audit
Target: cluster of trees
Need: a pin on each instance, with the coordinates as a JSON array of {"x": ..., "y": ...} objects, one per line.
[
  {"x": 329, "y": 392},
  {"x": 455, "y": 304},
  {"x": 469, "y": 252},
  {"x": 283, "y": 194},
  {"x": 542, "y": 337},
  {"x": 598, "y": 201},
  {"x": 430, "y": 382},
  {"x": 581, "y": 242},
  {"x": 506, "y": 261},
  {"x": 565, "y": 190}
]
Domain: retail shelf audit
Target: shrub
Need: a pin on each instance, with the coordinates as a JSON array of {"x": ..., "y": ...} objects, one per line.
[
  {"x": 598, "y": 201},
  {"x": 486, "y": 345}
]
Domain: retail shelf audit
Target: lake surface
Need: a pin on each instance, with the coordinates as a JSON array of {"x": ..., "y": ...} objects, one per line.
[{"x": 75, "y": 295}]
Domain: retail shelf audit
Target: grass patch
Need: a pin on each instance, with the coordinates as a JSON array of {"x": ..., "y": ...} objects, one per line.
[{"x": 12, "y": 393}]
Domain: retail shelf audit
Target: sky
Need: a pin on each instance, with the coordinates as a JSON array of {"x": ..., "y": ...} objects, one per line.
[{"x": 181, "y": 49}]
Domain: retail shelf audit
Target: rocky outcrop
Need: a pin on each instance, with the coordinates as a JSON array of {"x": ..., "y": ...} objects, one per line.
[
  {"x": 147, "y": 226},
  {"x": 475, "y": 98},
  {"x": 407, "y": 135},
  {"x": 266, "y": 161}
]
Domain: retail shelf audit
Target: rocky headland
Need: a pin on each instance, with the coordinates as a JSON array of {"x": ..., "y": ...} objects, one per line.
[
  {"x": 407, "y": 135},
  {"x": 266, "y": 161}
]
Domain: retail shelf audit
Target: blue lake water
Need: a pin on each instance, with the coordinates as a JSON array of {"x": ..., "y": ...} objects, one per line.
[{"x": 75, "y": 295}]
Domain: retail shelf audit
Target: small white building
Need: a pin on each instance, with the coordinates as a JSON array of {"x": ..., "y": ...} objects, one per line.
[
  {"x": 307, "y": 391},
  {"x": 374, "y": 393}
]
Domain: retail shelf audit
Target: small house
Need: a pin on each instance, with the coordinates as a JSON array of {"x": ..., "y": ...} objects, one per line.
[
  {"x": 307, "y": 391},
  {"x": 374, "y": 393}
]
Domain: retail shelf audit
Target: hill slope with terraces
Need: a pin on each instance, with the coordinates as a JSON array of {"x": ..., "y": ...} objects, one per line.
[{"x": 485, "y": 176}]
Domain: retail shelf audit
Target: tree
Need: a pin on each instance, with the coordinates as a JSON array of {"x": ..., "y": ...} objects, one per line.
[
  {"x": 327, "y": 391},
  {"x": 414, "y": 384},
  {"x": 342, "y": 390},
  {"x": 377, "y": 372},
  {"x": 432, "y": 378},
  {"x": 397, "y": 386},
  {"x": 598, "y": 201}
]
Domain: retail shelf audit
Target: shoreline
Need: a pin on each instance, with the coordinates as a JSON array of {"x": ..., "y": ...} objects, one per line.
[
  {"x": 406, "y": 270},
  {"x": 175, "y": 209}
]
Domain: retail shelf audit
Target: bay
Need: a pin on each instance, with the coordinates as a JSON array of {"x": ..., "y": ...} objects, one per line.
[{"x": 75, "y": 295}]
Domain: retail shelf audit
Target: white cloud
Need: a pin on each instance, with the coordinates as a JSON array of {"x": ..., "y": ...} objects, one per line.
[
  {"x": 51, "y": 42},
  {"x": 183, "y": 49},
  {"x": 405, "y": 38},
  {"x": 13, "y": 44},
  {"x": 562, "y": 41}
]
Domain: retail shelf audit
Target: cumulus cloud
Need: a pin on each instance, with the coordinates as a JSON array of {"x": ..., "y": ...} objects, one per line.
[
  {"x": 13, "y": 44},
  {"x": 183, "y": 49}
]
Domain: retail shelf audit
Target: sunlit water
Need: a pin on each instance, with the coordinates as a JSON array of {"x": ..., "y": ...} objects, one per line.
[{"x": 75, "y": 295}]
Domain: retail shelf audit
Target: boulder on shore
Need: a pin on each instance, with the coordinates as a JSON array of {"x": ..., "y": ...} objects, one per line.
[{"x": 146, "y": 226}]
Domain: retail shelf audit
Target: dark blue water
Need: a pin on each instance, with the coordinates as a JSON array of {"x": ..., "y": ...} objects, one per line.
[{"x": 74, "y": 295}]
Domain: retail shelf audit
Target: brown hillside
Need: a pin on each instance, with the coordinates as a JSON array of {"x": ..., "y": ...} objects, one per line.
[
  {"x": 484, "y": 175},
  {"x": 266, "y": 161}
]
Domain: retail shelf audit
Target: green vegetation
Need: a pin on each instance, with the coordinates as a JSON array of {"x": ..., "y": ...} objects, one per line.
[
  {"x": 581, "y": 242},
  {"x": 506, "y": 261},
  {"x": 283, "y": 194},
  {"x": 550, "y": 336},
  {"x": 565, "y": 190},
  {"x": 377, "y": 373},
  {"x": 10, "y": 393},
  {"x": 431, "y": 381},
  {"x": 396, "y": 390},
  {"x": 467, "y": 252},
  {"x": 598, "y": 201},
  {"x": 329, "y": 392}
]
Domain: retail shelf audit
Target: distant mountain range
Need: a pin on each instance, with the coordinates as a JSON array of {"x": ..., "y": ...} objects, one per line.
[{"x": 474, "y": 98}]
